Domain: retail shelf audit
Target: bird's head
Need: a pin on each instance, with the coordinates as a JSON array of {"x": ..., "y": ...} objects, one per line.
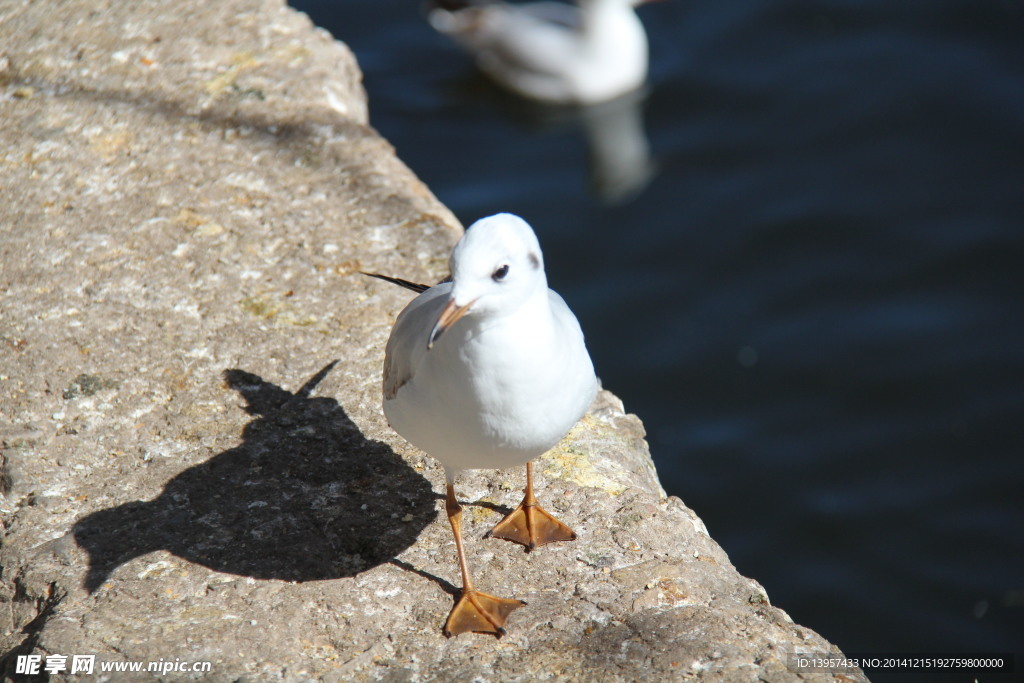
[{"x": 496, "y": 267}]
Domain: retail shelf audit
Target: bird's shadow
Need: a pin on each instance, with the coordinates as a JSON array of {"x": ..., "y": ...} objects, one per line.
[{"x": 304, "y": 497}]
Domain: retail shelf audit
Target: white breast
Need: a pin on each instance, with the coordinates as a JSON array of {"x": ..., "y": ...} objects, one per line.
[{"x": 489, "y": 394}]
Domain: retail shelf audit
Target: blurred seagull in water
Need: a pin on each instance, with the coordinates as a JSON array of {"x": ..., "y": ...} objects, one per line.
[
  {"x": 488, "y": 371},
  {"x": 550, "y": 51}
]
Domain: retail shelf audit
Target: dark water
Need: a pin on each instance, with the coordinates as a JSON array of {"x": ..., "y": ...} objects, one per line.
[{"x": 815, "y": 305}]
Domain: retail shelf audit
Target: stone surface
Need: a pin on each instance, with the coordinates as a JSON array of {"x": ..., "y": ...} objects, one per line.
[{"x": 195, "y": 466}]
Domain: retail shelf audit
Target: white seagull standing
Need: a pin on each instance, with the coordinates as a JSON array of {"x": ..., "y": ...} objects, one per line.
[
  {"x": 488, "y": 371},
  {"x": 550, "y": 51}
]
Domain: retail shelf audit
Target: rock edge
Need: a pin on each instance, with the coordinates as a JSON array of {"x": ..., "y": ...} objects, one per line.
[{"x": 194, "y": 463}]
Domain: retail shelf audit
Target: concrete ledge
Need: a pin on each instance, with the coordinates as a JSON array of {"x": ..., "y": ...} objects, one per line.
[{"x": 194, "y": 461}]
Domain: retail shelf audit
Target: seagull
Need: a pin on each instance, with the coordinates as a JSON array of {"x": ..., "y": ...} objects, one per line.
[
  {"x": 488, "y": 370},
  {"x": 553, "y": 52}
]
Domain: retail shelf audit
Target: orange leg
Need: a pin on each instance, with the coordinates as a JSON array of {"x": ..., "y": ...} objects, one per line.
[
  {"x": 475, "y": 611},
  {"x": 530, "y": 524}
]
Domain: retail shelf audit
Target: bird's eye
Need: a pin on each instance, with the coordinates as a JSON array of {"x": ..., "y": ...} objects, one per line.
[{"x": 500, "y": 273}]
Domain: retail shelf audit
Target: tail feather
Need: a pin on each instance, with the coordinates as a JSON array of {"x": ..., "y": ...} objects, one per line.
[{"x": 418, "y": 288}]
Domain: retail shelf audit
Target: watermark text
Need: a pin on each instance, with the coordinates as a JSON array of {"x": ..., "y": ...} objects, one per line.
[{"x": 33, "y": 665}]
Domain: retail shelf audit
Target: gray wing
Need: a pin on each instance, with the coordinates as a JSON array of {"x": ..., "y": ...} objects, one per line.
[
  {"x": 526, "y": 36},
  {"x": 555, "y": 12},
  {"x": 408, "y": 341}
]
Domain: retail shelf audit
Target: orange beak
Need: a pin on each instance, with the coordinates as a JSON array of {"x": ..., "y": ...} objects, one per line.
[{"x": 449, "y": 316}]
